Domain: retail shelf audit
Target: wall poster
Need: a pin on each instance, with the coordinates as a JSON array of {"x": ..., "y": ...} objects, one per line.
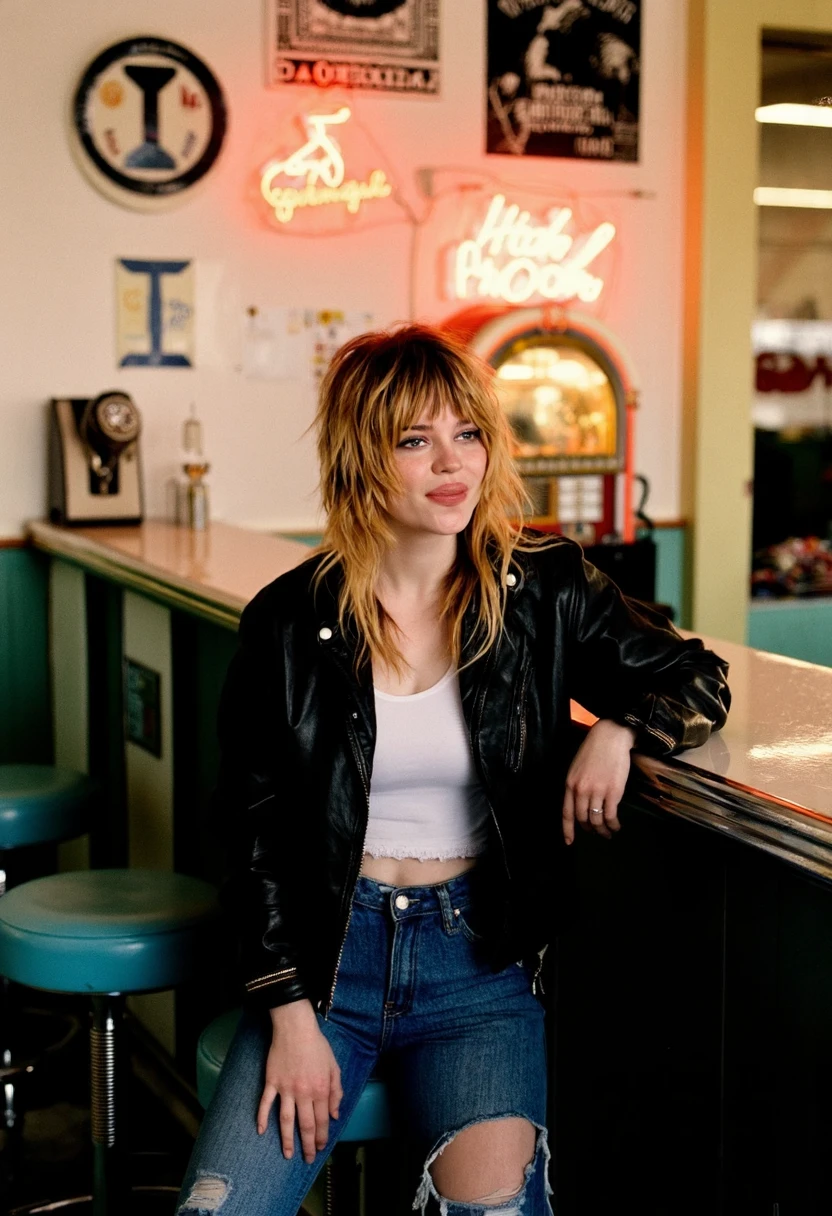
[
  {"x": 378, "y": 46},
  {"x": 154, "y": 313},
  {"x": 563, "y": 78}
]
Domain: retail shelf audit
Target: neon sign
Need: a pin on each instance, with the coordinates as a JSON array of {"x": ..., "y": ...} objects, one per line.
[
  {"x": 512, "y": 258},
  {"x": 320, "y": 162}
]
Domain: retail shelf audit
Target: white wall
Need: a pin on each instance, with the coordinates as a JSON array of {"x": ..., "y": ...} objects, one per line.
[{"x": 59, "y": 239}]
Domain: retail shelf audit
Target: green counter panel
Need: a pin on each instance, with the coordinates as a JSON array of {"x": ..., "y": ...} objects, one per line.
[
  {"x": 801, "y": 629},
  {"x": 25, "y": 717}
]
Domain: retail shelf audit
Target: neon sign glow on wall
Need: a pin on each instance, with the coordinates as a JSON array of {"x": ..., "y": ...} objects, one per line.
[
  {"x": 512, "y": 258},
  {"x": 314, "y": 175}
]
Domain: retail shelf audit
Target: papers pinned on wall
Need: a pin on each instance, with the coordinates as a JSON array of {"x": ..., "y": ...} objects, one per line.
[{"x": 296, "y": 343}]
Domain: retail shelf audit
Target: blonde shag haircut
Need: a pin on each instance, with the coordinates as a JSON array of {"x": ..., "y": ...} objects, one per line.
[{"x": 376, "y": 387}]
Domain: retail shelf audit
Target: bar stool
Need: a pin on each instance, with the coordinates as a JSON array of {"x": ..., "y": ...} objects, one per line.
[
  {"x": 107, "y": 934},
  {"x": 40, "y": 804},
  {"x": 369, "y": 1121}
]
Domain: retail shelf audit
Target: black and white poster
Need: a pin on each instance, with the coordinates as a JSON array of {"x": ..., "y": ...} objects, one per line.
[
  {"x": 563, "y": 78},
  {"x": 377, "y": 46}
]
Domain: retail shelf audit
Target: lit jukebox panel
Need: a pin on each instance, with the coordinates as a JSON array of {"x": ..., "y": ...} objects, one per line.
[{"x": 569, "y": 391}]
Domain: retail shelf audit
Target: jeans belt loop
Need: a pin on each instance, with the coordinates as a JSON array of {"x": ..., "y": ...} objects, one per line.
[{"x": 450, "y": 921}]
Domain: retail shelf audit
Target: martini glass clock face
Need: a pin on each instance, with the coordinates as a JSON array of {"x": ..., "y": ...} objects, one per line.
[{"x": 149, "y": 122}]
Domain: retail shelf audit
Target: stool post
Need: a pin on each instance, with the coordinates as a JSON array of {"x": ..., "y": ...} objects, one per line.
[{"x": 110, "y": 1185}]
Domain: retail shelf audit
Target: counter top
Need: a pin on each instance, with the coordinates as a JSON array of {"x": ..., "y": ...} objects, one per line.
[
  {"x": 766, "y": 778},
  {"x": 212, "y": 573}
]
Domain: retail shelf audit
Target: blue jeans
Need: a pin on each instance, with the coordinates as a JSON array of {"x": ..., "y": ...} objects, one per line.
[{"x": 458, "y": 1044}]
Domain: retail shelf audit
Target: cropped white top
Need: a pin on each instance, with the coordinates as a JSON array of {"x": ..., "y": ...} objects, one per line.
[{"x": 425, "y": 799}]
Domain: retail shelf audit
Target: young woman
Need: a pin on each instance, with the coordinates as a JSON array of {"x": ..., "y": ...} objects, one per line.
[{"x": 394, "y": 751}]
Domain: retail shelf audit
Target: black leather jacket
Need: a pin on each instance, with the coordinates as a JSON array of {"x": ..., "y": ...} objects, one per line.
[{"x": 297, "y": 733}]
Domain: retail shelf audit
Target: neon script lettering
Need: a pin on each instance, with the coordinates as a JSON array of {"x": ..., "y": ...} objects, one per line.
[
  {"x": 513, "y": 259},
  {"x": 321, "y": 162}
]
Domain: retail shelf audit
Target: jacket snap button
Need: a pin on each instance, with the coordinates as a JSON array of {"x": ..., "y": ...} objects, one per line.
[
  {"x": 402, "y": 902},
  {"x": 511, "y": 580},
  {"x": 325, "y": 634}
]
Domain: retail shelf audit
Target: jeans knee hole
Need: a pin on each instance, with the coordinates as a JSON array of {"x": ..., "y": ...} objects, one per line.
[{"x": 208, "y": 1193}]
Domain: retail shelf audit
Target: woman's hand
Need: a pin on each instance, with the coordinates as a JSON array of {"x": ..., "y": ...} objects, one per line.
[
  {"x": 596, "y": 779},
  {"x": 302, "y": 1069}
]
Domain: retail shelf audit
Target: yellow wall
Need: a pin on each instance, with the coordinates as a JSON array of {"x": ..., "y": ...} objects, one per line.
[{"x": 725, "y": 38}]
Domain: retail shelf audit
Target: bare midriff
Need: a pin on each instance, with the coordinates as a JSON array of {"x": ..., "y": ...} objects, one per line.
[{"x": 410, "y": 872}]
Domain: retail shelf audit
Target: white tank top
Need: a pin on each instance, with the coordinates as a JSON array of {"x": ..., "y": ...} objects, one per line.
[{"x": 425, "y": 798}]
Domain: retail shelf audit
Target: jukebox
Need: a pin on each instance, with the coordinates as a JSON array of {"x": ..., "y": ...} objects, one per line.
[{"x": 570, "y": 392}]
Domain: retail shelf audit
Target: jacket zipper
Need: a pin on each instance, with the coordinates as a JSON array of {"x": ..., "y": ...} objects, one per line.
[
  {"x": 356, "y": 751},
  {"x": 536, "y": 980},
  {"x": 477, "y": 718},
  {"x": 516, "y": 758}
]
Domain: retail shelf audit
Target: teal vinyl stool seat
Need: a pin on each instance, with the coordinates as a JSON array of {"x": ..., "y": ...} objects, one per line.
[
  {"x": 40, "y": 803},
  {"x": 106, "y": 933},
  {"x": 369, "y": 1121}
]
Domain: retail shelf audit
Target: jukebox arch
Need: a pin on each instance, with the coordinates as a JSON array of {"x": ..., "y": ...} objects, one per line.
[{"x": 570, "y": 391}]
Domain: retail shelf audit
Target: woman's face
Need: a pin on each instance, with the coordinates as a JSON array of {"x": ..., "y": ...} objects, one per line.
[{"x": 441, "y": 462}]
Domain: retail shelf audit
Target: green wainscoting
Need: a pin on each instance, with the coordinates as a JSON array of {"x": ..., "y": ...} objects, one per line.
[
  {"x": 25, "y": 718},
  {"x": 671, "y": 572},
  {"x": 801, "y": 629}
]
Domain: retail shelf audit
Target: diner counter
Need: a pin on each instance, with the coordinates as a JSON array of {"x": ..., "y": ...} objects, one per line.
[
  {"x": 212, "y": 574},
  {"x": 765, "y": 778}
]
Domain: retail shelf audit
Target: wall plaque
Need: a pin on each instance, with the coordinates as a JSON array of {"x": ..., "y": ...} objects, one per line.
[
  {"x": 142, "y": 707},
  {"x": 149, "y": 119}
]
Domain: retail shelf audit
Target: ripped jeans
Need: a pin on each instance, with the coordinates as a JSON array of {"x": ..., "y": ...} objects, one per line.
[{"x": 456, "y": 1043}]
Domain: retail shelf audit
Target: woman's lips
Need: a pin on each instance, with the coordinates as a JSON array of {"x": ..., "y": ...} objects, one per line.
[{"x": 450, "y": 494}]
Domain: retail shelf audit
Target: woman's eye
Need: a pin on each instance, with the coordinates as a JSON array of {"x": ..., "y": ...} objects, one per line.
[
  {"x": 472, "y": 434},
  {"x": 412, "y": 442}
]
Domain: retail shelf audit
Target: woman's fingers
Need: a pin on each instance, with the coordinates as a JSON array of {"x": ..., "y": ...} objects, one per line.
[
  {"x": 568, "y": 816},
  {"x": 287, "y": 1125},
  {"x": 594, "y": 811},
  {"x": 266, "y": 1104},
  {"x": 581, "y": 798},
  {"x": 336, "y": 1093},
  {"x": 611, "y": 813},
  {"x": 306, "y": 1111},
  {"x": 321, "y": 1108},
  {"x": 597, "y": 821}
]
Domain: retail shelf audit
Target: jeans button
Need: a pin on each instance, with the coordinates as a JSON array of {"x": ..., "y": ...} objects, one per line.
[{"x": 402, "y": 902}]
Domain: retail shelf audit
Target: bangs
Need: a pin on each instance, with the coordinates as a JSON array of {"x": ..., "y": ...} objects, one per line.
[{"x": 437, "y": 381}]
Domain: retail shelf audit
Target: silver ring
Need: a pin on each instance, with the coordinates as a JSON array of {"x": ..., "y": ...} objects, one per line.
[{"x": 595, "y": 810}]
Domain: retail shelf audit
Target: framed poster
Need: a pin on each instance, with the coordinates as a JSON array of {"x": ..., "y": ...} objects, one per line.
[
  {"x": 154, "y": 313},
  {"x": 377, "y": 46},
  {"x": 563, "y": 78}
]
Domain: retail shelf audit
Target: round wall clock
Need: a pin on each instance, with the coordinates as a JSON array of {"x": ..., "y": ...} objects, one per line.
[{"x": 149, "y": 119}]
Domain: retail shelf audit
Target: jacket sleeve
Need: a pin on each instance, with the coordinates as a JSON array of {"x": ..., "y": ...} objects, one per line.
[
  {"x": 629, "y": 664},
  {"x": 250, "y": 804}
]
